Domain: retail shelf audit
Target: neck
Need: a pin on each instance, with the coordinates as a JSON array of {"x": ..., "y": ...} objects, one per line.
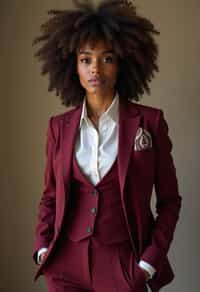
[{"x": 96, "y": 105}]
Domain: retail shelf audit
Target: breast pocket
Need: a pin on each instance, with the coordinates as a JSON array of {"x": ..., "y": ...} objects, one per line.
[{"x": 146, "y": 155}]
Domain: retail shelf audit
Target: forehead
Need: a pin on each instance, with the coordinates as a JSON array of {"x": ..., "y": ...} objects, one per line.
[{"x": 99, "y": 46}]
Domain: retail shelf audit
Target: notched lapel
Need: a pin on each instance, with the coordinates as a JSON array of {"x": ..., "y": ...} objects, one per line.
[
  {"x": 129, "y": 121},
  {"x": 69, "y": 131}
]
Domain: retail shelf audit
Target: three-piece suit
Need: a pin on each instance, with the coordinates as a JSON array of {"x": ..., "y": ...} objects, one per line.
[{"x": 96, "y": 235}]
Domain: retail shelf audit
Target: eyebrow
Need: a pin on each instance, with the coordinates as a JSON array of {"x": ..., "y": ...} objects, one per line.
[{"x": 89, "y": 53}]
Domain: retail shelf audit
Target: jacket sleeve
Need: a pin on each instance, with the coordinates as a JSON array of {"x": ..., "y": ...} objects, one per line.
[
  {"x": 44, "y": 230},
  {"x": 168, "y": 200}
]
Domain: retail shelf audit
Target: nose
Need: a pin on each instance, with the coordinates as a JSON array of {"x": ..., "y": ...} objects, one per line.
[{"x": 95, "y": 68}]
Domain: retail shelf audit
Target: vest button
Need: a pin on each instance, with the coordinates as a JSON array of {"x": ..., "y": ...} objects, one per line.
[
  {"x": 89, "y": 229},
  {"x": 94, "y": 192},
  {"x": 94, "y": 210}
]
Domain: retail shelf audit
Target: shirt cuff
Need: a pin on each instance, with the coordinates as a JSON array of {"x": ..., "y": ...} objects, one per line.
[
  {"x": 40, "y": 251},
  {"x": 149, "y": 268}
]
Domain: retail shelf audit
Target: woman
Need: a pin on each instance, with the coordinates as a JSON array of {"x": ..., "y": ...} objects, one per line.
[{"x": 96, "y": 230}]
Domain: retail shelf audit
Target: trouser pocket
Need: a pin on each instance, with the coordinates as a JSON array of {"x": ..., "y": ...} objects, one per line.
[{"x": 125, "y": 259}]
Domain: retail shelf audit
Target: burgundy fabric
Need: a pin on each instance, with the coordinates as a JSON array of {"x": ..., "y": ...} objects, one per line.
[
  {"x": 89, "y": 265},
  {"x": 105, "y": 198},
  {"x": 82, "y": 261},
  {"x": 138, "y": 172}
]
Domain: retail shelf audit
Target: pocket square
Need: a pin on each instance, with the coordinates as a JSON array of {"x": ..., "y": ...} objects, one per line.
[{"x": 143, "y": 140}]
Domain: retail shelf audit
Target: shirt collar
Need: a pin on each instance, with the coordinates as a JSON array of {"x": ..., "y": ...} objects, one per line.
[{"x": 111, "y": 112}]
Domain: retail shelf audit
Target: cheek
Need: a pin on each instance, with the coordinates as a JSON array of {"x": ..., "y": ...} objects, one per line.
[
  {"x": 112, "y": 74},
  {"x": 113, "y": 70},
  {"x": 82, "y": 73}
]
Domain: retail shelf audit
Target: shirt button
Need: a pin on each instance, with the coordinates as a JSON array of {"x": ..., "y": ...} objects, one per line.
[
  {"x": 89, "y": 229},
  {"x": 94, "y": 192},
  {"x": 94, "y": 210}
]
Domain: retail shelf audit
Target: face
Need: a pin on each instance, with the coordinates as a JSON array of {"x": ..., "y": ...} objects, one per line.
[{"x": 97, "y": 67}]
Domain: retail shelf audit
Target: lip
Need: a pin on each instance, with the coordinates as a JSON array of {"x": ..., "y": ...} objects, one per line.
[{"x": 95, "y": 81}]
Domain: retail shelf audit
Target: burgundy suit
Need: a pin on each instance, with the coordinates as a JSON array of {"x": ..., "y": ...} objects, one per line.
[{"x": 138, "y": 171}]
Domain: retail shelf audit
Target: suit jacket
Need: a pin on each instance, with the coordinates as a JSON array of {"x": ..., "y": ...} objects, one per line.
[{"x": 139, "y": 170}]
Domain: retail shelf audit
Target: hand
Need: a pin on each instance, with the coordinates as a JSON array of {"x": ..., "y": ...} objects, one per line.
[
  {"x": 147, "y": 275},
  {"x": 42, "y": 256}
]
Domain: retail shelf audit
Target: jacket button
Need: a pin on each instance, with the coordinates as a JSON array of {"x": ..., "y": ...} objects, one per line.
[
  {"x": 94, "y": 192},
  {"x": 94, "y": 210},
  {"x": 89, "y": 229}
]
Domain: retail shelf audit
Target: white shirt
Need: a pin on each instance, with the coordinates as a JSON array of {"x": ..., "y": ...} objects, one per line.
[{"x": 96, "y": 151}]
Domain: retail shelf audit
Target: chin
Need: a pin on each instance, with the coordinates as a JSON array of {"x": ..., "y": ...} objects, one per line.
[{"x": 99, "y": 89}]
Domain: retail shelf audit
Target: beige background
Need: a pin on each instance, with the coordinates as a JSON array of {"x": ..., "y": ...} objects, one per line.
[{"x": 26, "y": 107}]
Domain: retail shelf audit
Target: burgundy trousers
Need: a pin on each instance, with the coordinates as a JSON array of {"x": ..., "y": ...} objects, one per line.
[{"x": 88, "y": 265}]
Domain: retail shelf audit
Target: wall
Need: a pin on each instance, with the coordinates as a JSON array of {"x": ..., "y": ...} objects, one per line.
[{"x": 27, "y": 105}]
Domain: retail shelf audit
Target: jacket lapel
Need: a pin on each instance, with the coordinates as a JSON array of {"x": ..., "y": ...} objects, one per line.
[
  {"x": 70, "y": 128},
  {"x": 129, "y": 120}
]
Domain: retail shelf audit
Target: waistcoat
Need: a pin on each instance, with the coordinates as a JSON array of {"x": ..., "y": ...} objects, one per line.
[{"x": 95, "y": 210}]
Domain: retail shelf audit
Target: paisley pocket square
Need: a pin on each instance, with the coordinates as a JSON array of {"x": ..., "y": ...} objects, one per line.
[{"x": 143, "y": 140}]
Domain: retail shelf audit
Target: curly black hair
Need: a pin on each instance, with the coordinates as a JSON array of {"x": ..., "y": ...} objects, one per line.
[{"x": 115, "y": 22}]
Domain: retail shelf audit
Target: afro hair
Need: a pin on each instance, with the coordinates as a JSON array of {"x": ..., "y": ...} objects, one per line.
[{"x": 114, "y": 21}]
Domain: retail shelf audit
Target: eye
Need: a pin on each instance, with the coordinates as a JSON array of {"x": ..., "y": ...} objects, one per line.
[
  {"x": 109, "y": 59},
  {"x": 84, "y": 60}
]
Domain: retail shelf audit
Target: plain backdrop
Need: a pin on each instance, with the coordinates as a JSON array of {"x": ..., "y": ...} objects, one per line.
[{"x": 26, "y": 106}]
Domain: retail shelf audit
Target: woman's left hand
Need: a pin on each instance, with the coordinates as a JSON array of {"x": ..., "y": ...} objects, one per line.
[{"x": 147, "y": 275}]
